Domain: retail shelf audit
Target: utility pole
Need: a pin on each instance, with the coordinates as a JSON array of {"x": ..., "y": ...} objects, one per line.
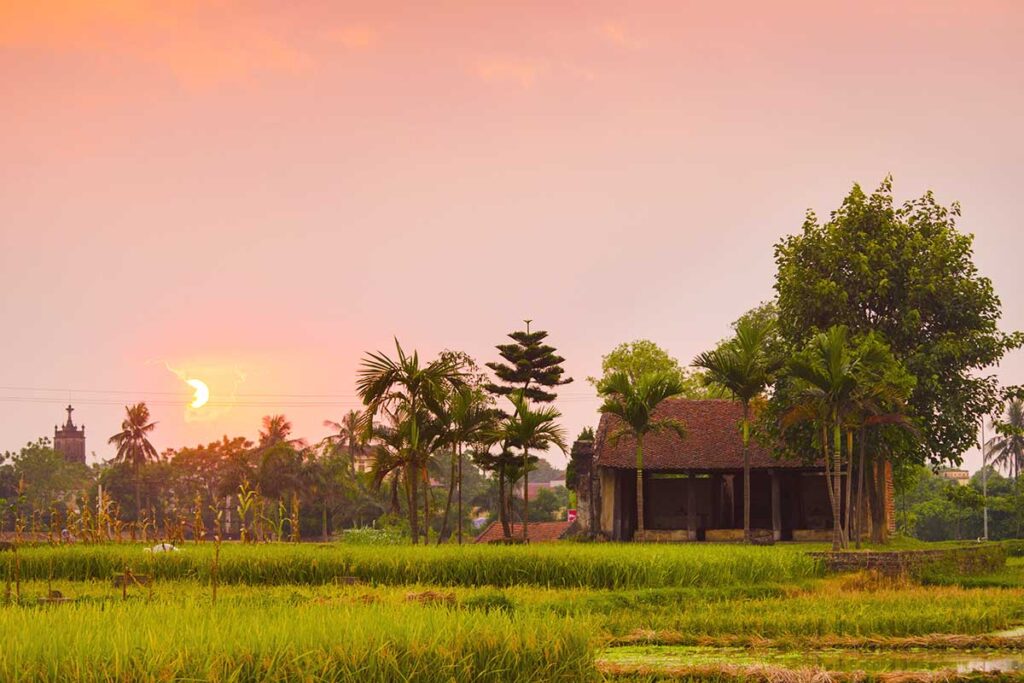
[{"x": 984, "y": 482}]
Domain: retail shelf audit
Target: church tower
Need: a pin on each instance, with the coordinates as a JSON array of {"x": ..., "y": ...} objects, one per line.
[{"x": 70, "y": 440}]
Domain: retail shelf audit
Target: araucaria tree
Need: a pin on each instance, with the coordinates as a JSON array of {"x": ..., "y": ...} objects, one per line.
[
  {"x": 905, "y": 272},
  {"x": 133, "y": 446},
  {"x": 744, "y": 367},
  {"x": 413, "y": 393},
  {"x": 633, "y": 400},
  {"x": 532, "y": 369}
]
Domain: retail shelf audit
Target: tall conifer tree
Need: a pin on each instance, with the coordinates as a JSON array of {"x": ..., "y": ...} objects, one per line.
[{"x": 533, "y": 368}]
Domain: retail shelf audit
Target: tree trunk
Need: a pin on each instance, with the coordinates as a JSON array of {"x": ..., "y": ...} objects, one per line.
[
  {"x": 323, "y": 520},
  {"x": 526, "y": 495},
  {"x": 459, "y": 520},
  {"x": 138, "y": 492},
  {"x": 879, "y": 523},
  {"x": 837, "y": 480},
  {"x": 502, "y": 510},
  {"x": 411, "y": 478},
  {"x": 640, "y": 485},
  {"x": 426, "y": 505},
  {"x": 746, "y": 472},
  {"x": 859, "y": 513},
  {"x": 848, "y": 523},
  {"x": 448, "y": 500},
  {"x": 832, "y": 490},
  {"x": 395, "y": 506}
]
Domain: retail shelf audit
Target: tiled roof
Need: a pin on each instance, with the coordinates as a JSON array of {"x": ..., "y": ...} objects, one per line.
[
  {"x": 540, "y": 532},
  {"x": 713, "y": 440}
]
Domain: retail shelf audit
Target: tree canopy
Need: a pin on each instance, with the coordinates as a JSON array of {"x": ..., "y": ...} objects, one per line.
[
  {"x": 642, "y": 356},
  {"x": 907, "y": 273}
]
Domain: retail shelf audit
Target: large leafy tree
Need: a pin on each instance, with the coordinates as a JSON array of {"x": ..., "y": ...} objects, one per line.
[
  {"x": 744, "y": 366},
  {"x": 906, "y": 272},
  {"x": 133, "y": 446},
  {"x": 634, "y": 401},
  {"x": 43, "y": 476},
  {"x": 641, "y": 356}
]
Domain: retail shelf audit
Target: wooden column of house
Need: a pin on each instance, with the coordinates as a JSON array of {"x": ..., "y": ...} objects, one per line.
[
  {"x": 776, "y": 506},
  {"x": 691, "y": 507},
  {"x": 730, "y": 486}
]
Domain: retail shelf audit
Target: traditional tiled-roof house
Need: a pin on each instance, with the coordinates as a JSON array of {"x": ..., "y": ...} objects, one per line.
[{"x": 693, "y": 486}]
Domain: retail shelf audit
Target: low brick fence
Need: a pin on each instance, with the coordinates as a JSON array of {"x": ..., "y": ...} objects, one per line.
[{"x": 976, "y": 559}]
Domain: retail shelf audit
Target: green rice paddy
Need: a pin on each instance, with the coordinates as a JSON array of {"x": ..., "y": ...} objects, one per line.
[{"x": 558, "y": 612}]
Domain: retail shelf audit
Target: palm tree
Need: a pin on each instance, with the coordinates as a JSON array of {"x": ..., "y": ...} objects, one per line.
[
  {"x": 411, "y": 391},
  {"x": 1006, "y": 449},
  {"x": 829, "y": 374},
  {"x": 531, "y": 429},
  {"x": 469, "y": 418},
  {"x": 276, "y": 430},
  {"x": 350, "y": 434},
  {"x": 133, "y": 446},
  {"x": 634, "y": 402},
  {"x": 743, "y": 367}
]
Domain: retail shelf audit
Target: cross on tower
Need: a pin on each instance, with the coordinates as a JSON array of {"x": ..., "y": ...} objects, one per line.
[{"x": 70, "y": 410}]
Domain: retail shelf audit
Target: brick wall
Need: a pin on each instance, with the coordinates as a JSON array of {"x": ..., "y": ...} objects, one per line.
[{"x": 980, "y": 559}]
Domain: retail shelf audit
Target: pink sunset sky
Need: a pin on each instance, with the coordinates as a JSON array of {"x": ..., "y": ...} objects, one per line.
[{"x": 257, "y": 193}]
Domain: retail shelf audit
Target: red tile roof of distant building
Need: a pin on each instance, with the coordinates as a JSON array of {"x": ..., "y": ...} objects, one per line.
[{"x": 540, "y": 532}]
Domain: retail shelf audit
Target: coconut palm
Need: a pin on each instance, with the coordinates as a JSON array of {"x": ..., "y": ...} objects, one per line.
[
  {"x": 743, "y": 367},
  {"x": 276, "y": 430},
  {"x": 634, "y": 402},
  {"x": 349, "y": 434},
  {"x": 413, "y": 392},
  {"x": 1006, "y": 449},
  {"x": 529, "y": 429},
  {"x": 133, "y": 446}
]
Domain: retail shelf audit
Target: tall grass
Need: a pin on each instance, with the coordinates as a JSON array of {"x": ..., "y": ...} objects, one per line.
[
  {"x": 147, "y": 642},
  {"x": 563, "y": 565}
]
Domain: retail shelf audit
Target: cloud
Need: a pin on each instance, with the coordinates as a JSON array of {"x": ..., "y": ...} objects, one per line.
[
  {"x": 199, "y": 43},
  {"x": 522, "y": 72}
]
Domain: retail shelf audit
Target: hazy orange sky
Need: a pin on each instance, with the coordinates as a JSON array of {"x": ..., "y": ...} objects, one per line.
[{"x": 257, "y": 193}]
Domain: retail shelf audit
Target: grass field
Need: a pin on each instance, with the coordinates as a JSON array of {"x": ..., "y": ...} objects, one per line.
[{"x": 551, "y": 612}]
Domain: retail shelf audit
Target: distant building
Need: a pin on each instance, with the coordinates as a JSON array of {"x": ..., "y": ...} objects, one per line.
[
  {"x": 70, "y": 440},
  {"x": 961, "y": 477},
  {"x": 539, "y": 532}
]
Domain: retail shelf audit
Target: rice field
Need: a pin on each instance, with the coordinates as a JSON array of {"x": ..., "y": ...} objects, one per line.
[
  {"x": 558, "y": 612},
  {"x": 570, "y": 565}
]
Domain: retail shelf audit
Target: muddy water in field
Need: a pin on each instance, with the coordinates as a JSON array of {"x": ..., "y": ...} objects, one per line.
[{"x": 875, "y": 661}]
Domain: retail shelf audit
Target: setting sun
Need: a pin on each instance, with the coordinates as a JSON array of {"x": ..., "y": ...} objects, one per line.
[{"x": 202, "y": 394}]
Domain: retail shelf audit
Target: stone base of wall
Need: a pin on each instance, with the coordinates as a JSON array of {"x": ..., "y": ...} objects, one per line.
[
  {"x": 812, "y": 535},
  {"x": 662, "y": 536},
  {"x": 980, "y": 559},
  {"x": 730, "y": 535}
]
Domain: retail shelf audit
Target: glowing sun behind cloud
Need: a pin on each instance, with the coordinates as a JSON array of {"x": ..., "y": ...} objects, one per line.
[
  {"x": 202, "y": 394},
  {"x": 213, "y": 396}
]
